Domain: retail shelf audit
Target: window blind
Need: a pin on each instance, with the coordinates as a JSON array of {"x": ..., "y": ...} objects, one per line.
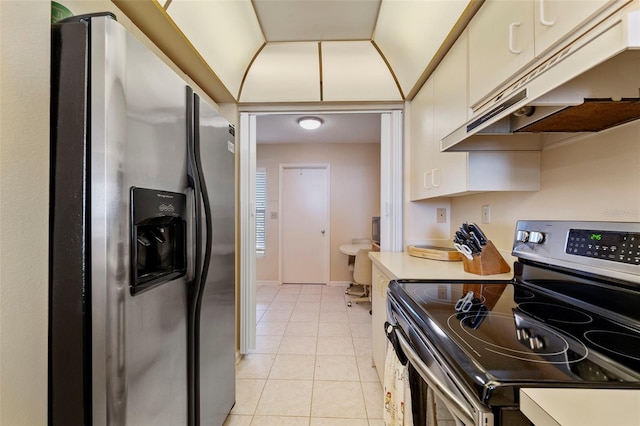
[{"x": 261, "y": 210}]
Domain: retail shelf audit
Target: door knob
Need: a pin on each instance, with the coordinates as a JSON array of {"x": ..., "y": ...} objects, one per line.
[{"x": 322, "y": 232}]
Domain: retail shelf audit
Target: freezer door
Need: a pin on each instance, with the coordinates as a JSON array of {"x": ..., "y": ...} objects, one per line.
[
  {"x": 217, "y": 311},
  {"x": 138, "y": 139}
]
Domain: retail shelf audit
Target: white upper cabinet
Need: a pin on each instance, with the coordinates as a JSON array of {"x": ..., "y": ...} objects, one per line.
[
  {"x": 449, "y": 175},
  {"x": 422, "y": 143},
  {"x": 500, "y": 44},
  {"x": 506, "y": 36},
  {"x": 440, "y": 107},
  {"x": 555, "y": 19}
]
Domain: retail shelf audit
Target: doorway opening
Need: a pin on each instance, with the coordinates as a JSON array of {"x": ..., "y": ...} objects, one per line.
[{"x": 386, "y": 179}]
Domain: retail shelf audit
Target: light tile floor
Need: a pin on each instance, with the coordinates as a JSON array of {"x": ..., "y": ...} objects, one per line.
[{"x": 312, "y": 364}]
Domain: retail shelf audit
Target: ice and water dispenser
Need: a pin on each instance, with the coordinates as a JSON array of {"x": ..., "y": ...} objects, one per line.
[{"x": 158, "y": 238}]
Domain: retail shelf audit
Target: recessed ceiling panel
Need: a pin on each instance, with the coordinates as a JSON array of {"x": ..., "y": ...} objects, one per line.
[
  {"x": 317, "y": 20},
  {"x": 225, "y": 33},
  {"x": 409, "y": 33},
  {"x": 355, "y": 71},
  {"x": 284, "y": 72}
]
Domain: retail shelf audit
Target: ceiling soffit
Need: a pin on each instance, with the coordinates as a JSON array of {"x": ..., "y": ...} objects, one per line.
[
  {"x": 410, "y": 33},
  {"x": 356, "y": 71},
  {"x": 284, "y": 72},
  {"x": 404, "y": 36},
  {"x": 225, "y": 33}
]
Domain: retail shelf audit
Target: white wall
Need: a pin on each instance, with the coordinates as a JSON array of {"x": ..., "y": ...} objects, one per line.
[
  {"x": 24, "y": 197},
  {"x": 354, "y": 199},
  {"x": 596, "y": 177}
]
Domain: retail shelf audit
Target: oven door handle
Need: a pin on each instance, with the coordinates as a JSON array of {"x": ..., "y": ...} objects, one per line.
[{"x": 467, "y": 416}]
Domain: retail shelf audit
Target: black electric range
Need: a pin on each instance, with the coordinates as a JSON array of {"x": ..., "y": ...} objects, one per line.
[{"x": 570, "y": 317}]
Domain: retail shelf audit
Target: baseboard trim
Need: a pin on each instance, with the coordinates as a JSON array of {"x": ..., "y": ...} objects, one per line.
[{"x": 330, "y": 283}]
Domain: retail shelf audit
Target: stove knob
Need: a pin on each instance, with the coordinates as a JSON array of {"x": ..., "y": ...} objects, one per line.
[
  {"x": 522, "y": 236},
  {"x": 522, "y": 334},
  {"x": 536, "y": 237},
  {"x": 536, "y": 343}
]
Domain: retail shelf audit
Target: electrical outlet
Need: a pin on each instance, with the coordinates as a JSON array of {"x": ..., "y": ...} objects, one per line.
[
  {"x": 486, "y": 214},
  {"x": 441, "y": 215}
]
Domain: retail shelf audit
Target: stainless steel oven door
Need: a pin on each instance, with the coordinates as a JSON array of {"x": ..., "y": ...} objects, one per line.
[{"x": 434, "y": 371}]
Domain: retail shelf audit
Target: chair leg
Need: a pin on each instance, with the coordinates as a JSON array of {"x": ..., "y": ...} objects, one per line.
[{"x": 363, "y": 297}]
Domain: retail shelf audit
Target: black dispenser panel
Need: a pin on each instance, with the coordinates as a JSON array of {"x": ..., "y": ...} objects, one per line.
[{"x": 158, "y": 238}]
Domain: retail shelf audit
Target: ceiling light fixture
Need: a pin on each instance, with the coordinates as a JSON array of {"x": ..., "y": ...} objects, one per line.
[{"x": 310, "y": 123}]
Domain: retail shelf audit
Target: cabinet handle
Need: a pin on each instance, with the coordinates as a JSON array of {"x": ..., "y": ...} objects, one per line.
[
  {"x": 543, "y": 19},
  {"x": 426, "y": 180},
  {"x": 436, "y": 182},
  {"x": 378, "y": 286},
  {"x": 512, "y": 28}
]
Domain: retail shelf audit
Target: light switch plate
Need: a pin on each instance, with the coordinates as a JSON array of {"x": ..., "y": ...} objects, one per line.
[{"x": 486, "y": 213}]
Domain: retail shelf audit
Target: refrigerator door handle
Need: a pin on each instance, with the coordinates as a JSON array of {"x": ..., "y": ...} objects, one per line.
[
  {"x": 204, "y": 199},
  {"x": 193, "y": 292},
  {"x": 203, "y": 202},
  {"x": 191, "y": 235}
]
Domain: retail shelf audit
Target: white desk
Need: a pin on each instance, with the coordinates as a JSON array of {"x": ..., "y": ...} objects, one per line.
[{"x": 352, "y": 249}]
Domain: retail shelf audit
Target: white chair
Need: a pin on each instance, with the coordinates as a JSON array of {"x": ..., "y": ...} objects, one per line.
[
  {"x": 353, "y": 258},
  {"x": 361, "y": 278}
]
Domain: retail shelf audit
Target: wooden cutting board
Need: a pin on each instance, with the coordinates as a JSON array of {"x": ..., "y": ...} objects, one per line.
[{"x": 435, "y": 253}]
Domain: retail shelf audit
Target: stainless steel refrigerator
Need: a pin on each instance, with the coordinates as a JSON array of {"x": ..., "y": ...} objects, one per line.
[{"x": 142, "y": 238}]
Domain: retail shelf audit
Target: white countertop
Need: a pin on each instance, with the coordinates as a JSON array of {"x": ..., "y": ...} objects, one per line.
[
  {"x": 401, "y": 265},
  {"x": 581, "y": 407}
]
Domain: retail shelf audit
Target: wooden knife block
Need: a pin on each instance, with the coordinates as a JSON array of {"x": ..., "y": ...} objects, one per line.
[{"x": 488, "y": 262}]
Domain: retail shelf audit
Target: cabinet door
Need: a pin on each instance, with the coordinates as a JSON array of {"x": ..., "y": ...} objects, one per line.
[
  {"x": 379, "y": 284},
  {"x": 450, "y": 111},
  {"x": 556, "y": 19},
  {"x": 421, "y": 142},
  {"x": 500, "y": 44}
]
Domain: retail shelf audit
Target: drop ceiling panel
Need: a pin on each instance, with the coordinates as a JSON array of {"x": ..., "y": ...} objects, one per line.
[
  {"x": 317, "y": 20},
  {"x": 409, "y": 33},
  {"x": 284, "y": 72},
  {"x": 355, "y": 71},
  {"x": 225, "y": 33}
]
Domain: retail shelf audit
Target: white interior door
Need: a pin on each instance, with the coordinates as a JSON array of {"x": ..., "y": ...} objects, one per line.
[{"x": 304, "y": 213}]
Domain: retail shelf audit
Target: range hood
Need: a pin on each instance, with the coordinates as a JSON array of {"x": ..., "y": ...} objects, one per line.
[{"x": 591, "y": 85}]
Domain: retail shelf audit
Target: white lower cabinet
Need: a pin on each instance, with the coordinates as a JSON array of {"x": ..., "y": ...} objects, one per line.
[{"x": 379, "y": 284}]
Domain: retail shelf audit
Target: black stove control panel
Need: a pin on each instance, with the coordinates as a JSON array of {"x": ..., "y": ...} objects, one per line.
[{"x": 614, "y": 246}]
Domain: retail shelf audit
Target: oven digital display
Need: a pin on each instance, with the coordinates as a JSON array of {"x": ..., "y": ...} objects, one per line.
[{"x": 621, "y": 247}]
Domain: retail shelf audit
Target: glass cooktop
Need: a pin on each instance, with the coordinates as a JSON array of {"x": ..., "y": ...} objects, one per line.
[{"x": 500, "y": 332}]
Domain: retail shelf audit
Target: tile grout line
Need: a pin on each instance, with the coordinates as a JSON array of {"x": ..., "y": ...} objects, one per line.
[{"x": 326, "y": 298}]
